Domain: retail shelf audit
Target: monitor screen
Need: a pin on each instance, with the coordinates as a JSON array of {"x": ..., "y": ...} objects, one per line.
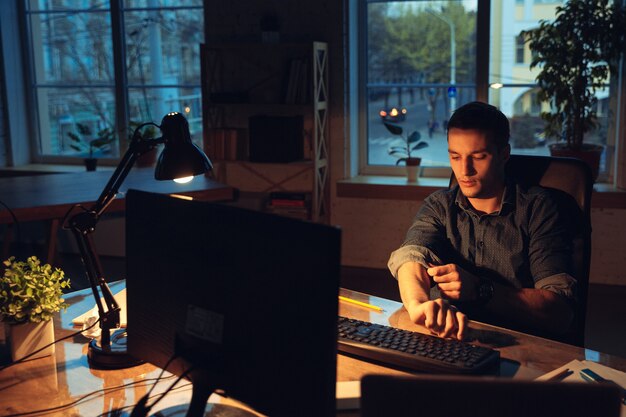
[{"x": 247, "y": 299}]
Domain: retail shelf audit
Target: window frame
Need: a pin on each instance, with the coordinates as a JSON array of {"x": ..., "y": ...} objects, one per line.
[
  {"x": 120, "y": 85},
  {"x": 481, "y": 85}
]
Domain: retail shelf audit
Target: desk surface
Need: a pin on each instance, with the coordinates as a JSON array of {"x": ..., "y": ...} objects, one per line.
[
  {"x": 66, "y": 378},
  {"x": 45, "y": 197}
]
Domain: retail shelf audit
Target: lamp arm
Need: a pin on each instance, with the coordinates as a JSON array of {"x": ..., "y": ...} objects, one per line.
[
  {"x": 83, "y": 224},
  {"x": 137, "y": 147}
]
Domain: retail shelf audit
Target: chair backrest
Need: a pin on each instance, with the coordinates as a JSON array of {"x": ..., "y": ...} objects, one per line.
[
  {"x": 572, "y": 180},
  {"x": 463, "y": 396}
]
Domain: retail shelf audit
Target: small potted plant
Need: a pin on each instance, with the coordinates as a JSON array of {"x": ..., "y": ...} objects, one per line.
[
  {"x": 576, "y": 53},
  {"x": 30, "y": 294},
  {"x": 82, "y": 143},
  {"x": 403, "y": 147}
]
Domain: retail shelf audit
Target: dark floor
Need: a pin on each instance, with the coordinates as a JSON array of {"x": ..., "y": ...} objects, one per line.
[{"x": 606, "y": 312}]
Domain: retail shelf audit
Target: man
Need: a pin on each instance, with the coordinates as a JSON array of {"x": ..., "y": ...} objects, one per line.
[{"x": 489, "y": 248}]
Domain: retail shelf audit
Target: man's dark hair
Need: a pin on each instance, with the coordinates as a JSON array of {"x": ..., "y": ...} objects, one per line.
[{"x": 484, "y": 118}]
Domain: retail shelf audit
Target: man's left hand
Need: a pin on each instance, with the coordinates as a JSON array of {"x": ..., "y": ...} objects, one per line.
[{"x": 454, "y": 282}]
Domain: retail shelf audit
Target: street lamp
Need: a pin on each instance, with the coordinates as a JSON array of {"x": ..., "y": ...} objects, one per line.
[{"x": 450, "y": 23}]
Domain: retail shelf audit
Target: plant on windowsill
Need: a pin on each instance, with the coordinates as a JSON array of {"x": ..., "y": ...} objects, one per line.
[
  {"x": 30, "y": 294},
  {"x": 82, "y": 143},
  {"x": 576, "y": 53},
  {"x": 403, "y": 147}
]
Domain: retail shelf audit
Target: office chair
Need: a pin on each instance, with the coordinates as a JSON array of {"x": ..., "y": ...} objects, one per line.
[
  {"x": 463, "y": 396},
  {"x": 571, "y": 182}
]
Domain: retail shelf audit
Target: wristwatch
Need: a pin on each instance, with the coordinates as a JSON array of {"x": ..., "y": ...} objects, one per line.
[{"x": 484, "y": 291}]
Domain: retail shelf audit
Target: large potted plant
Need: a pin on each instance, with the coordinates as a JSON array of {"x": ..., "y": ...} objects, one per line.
[
  {"x": 402, "y": 148},
  {"x": 30, "y": 294},
  {"x": 576, "y": 53}
]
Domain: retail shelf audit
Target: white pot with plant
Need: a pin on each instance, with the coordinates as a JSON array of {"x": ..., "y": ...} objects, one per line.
[
  {"x": 30, "y": 294},
  {"x": 403, "y": 147}
]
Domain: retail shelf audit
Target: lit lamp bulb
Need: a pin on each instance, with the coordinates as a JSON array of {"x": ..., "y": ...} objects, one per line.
[{"x": 183, "y": 180}]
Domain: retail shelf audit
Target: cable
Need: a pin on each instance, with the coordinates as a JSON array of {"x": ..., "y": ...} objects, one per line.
[
  {"x": 116, "y": 412},
  {"x": 141, "y": 408},
  {"x": 100, "y": 392},
  {"x": 23, "y": 359},
  {"x": 170, "y": 388}
]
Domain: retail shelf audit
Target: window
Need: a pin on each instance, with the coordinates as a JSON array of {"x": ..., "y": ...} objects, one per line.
[
  {"x": 519, "y": 49},
  {"x": 406, "y": 63},
  {"x": 420, "y": 65},
  {"x": 98, "y": 68}
]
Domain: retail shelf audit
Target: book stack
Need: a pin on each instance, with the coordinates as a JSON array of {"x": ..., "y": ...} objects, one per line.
[{"x": 290, "y": 204}]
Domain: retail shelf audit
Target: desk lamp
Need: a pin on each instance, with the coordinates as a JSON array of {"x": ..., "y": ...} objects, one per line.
[{"x": 180, "y": 159}]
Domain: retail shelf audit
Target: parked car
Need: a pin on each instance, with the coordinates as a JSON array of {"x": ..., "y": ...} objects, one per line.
[{"x": 393, "y": 114}]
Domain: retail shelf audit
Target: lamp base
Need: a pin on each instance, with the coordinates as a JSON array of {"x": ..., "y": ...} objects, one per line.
[{"x": 114, "y": 356}]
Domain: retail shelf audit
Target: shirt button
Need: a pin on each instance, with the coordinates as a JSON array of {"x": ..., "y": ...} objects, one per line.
[{"x": 480, "y": 243}]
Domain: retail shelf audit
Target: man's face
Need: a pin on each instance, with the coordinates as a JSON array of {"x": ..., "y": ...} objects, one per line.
[{"x": 477, "y": 163}]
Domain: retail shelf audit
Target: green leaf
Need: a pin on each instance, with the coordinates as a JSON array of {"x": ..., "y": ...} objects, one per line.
[
  {"x": 414, "y": 137},
  {"x": 419, "y": 145},
  {"x": 393, "y": 128}
]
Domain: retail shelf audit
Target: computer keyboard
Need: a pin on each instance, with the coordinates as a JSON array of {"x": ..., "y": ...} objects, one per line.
[{"x": 413, "y": 350}]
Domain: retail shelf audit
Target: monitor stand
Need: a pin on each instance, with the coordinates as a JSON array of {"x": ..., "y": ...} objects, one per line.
[{"x": 199, "y": 405}]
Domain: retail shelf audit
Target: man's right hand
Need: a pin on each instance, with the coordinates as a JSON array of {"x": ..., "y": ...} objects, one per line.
[{"x": 440, "y": 317}]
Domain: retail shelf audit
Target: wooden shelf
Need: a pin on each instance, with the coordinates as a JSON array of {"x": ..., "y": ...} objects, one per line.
[{"x": 273, "y": 80}]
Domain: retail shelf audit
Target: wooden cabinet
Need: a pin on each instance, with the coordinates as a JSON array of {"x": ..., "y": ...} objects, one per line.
[{"x": 278, "y": 80}]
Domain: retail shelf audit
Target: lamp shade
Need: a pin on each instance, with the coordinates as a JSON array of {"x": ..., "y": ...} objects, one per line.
[{"x": 180, "y": 157}]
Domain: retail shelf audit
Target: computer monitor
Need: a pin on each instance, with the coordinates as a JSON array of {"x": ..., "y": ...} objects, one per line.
[{"x": 247, "y": 299}]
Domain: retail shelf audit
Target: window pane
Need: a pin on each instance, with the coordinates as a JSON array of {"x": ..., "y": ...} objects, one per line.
[
  {"x": 411, "y": 66},
  {"x": 187, "y": 101},
  {"x": 85, "y": 113},
  {"x": 72, "y": 48},
  {"x": 162, "y": 49},
  {"x": 162, "y": 46},
  {"x": 49, "y": 5}
]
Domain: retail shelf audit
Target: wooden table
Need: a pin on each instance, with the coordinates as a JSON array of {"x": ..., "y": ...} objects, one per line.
[
  {"x": 62, "y": 380},
  {"x": 49, "y": 197}
]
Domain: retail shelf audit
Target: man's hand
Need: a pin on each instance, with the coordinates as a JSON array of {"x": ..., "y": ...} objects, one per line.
[
  {"x": 439, "y": 317},
  {"x": 454, "y": 282}
]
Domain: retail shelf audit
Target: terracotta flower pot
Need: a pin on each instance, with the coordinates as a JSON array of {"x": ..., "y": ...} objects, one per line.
[
  {"x": 589, "y": 153},
  {"x": 25, "y": 338}
]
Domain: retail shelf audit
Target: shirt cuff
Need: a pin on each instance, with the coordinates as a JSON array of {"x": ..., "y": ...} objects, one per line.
[
  {"x": 562, "y": 284},
  {"x": 411, "y": 253}
]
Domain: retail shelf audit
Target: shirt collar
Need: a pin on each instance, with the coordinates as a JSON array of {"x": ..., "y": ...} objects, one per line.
[{"x": 507, "y": 204}]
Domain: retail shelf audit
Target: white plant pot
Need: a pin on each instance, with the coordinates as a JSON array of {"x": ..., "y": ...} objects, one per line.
[
  {"x": 26, "y": 338},
  {"x": 412, "y": 172}
]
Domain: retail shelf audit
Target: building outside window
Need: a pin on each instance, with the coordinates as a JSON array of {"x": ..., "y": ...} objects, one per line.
[
  {"x": 406, "y": 57},
  {"x": 106, "y": 66}
]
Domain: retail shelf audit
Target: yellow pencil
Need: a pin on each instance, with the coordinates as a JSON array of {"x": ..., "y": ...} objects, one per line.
[{"x": 360, "y": 303}]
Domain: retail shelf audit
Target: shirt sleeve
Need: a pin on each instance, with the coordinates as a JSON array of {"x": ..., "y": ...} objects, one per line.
[
  {"x": 550, "y": 241},
  {"x": 424, "y": 238},
  {"x": 562, "y": 284}
]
